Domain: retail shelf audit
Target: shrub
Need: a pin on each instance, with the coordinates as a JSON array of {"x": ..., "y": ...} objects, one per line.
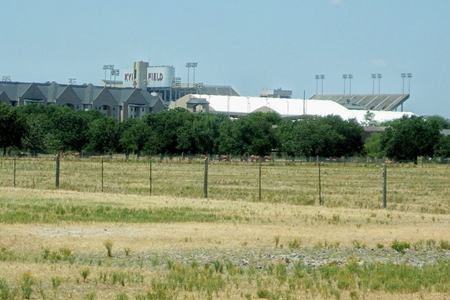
[
  {"x": 400, "y": 246},
  {"x": 108, "y": 245},
  {"x": 294, "y": 244}
]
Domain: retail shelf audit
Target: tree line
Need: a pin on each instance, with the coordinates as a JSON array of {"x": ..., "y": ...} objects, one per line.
[{"x": 53, "y": 129}]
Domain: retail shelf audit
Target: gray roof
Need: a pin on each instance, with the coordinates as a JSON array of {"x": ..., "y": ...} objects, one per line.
[
  {"x": 198, "y": 101},
  {"x": 10, "y": 89},
  {"x": 87, "y": 93}
]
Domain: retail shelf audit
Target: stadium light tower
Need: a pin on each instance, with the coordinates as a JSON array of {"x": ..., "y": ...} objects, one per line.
[
  {"x": 194, "y": 65},
  {"x": 317, "y": 83},
  {"x": 373, "y": 86},
  {"x": 345, "y": 78},
  {"x": 188, "y": 66},
  {"x": 350, "y": 76},
  {"x": 111, "y": 67},
  {"x": 409, "y": 82},
  {"x": 115, "y": 72},
  {"x": 403, "y": 84},
  {"x": 379, "y": 76},
  {"x": 107, "y": 67},
  {"x": 199, "y": 86},
  {"x": 322, "y": 77}
]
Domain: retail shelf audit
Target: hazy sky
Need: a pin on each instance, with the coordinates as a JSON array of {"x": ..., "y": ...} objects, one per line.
[{"x": 249, "y": 44}]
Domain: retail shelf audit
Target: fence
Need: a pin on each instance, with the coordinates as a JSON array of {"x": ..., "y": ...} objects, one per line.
[{"x": 310, "y": 181}]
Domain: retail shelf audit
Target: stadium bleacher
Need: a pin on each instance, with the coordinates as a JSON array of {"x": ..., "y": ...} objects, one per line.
[{"x": 384, "y": 102}]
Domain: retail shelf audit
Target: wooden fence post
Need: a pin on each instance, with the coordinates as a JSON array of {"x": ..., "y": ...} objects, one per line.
[
  {"x": 205, "y": 181},
  {"x": 259, "y": 181},
  {"x": 384, "y": 186},
  {"x": 57, "y": 170},
  {"x": 102, "y": 173},
  {"x": 320, "y": 183},
  {"x": 15, "y": 171},
  {"x": 150, "y": 176}
]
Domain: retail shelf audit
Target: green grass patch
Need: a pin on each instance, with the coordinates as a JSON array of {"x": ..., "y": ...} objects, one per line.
[{"x": 53, "y": 213}]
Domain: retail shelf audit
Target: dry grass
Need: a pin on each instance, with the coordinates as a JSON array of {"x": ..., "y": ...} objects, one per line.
[
  {"x": 419, "y": 189},
  {"x": 259, "y": 224},
  {"x": 418, "y": 206}
]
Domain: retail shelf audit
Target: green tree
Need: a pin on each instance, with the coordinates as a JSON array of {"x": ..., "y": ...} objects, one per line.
[
  {"x": 206, "y": 131},
  {"x": 228, "y": 141},
  {"x": 442, "y": 147},
  {"x": 372, "y": 146},
  {"x": 64, "y": 128},
  {"x": 409, "y": 138},
  {"x": 320, "y": 136},
  {"x": 135, "y": 136},
  {"x": 36, "y": 137},
  {"x": 347, "y": 139},
  {"x": 70, "y": 128},
  {"x": 171, "y": 132},
  {"x": 104, "y": 135},
  {"x": 441, "y": 122},
  {"x": 368, "y": 119},
  {"x": 257, "y": 132},
  {"x": 13, "y": 127}
]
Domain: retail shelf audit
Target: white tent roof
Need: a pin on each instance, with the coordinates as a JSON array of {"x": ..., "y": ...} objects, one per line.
[{"x": 292, "y": 107}]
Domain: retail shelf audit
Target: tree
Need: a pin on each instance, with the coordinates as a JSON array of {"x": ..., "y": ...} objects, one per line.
[
  {"x": 372, "y": 146},
  {"x": 229, "y": 141},
  {"x": 171, "y": 131},
  {"x": 135, "y": 137},
  {"x": 206, "y": 131},
  {"x": 320, "y": 136},
  {"x": 368, "y": 119},
  {"x": 104, "y": 135},
  {"x": 36, "y": 137},
  {"x": 64, "y": 129},
  {"x": 13, "y": 127},
  {"x": 254, "y": 134},
  {"x": 442, "y": 147},
  {"x": 409, "y": 138},
  {"x": 442, "y": 122},
  {"x": 70, "y": 128},
  {"x": 347, "y": 139}
]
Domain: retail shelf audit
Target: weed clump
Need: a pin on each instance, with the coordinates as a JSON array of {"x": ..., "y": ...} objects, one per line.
[
  {"x": 108, "y": 245},
  {"x": 400, "y": 246},
  {"x": 358, "y": 244},
  {"x": 294, "y": 244}
]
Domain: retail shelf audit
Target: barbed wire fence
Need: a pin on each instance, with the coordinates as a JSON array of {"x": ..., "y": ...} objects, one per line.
[{"x": 304, "y": 180}]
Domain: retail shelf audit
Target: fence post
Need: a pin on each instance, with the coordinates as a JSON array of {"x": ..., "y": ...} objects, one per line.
[
  {"x": 259, "y": 181},
  {"x": 15, "y": 171},
  {"x": 205, "y": 181},
  {"x": 150, "y": 176},
  {"x": 102, "y": 173},
  {"x": 384, "y": 186},
  {"x": 320, "y": 182},
  {"x": 57, "y": 170}
]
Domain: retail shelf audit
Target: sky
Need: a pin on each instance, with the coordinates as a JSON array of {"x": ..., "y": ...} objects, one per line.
[{"x": 248, "y": 44}]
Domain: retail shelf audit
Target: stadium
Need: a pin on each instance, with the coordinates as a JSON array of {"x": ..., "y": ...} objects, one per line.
[{"x": 145, "y": 89}]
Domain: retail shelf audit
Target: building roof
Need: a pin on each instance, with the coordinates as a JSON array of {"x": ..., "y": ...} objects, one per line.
[{"x": 236, "y": 106}]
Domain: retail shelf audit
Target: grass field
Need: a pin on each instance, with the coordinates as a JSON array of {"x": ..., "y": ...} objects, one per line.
[{"x": 77, "y": 242}]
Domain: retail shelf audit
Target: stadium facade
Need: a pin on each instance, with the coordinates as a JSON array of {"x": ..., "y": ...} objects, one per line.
[
  {"x": 145, "y": 89},
  {"x": 236, "y": 106}
]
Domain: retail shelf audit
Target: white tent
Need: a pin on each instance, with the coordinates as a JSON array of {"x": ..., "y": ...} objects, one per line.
[{"x": 235, "y": 105}]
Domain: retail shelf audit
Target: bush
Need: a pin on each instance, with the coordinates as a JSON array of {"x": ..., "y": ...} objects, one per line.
[{"x": 400, "y": 246}]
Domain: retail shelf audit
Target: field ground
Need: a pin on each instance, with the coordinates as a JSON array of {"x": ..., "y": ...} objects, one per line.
[{"x": 53, "y": 242}]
